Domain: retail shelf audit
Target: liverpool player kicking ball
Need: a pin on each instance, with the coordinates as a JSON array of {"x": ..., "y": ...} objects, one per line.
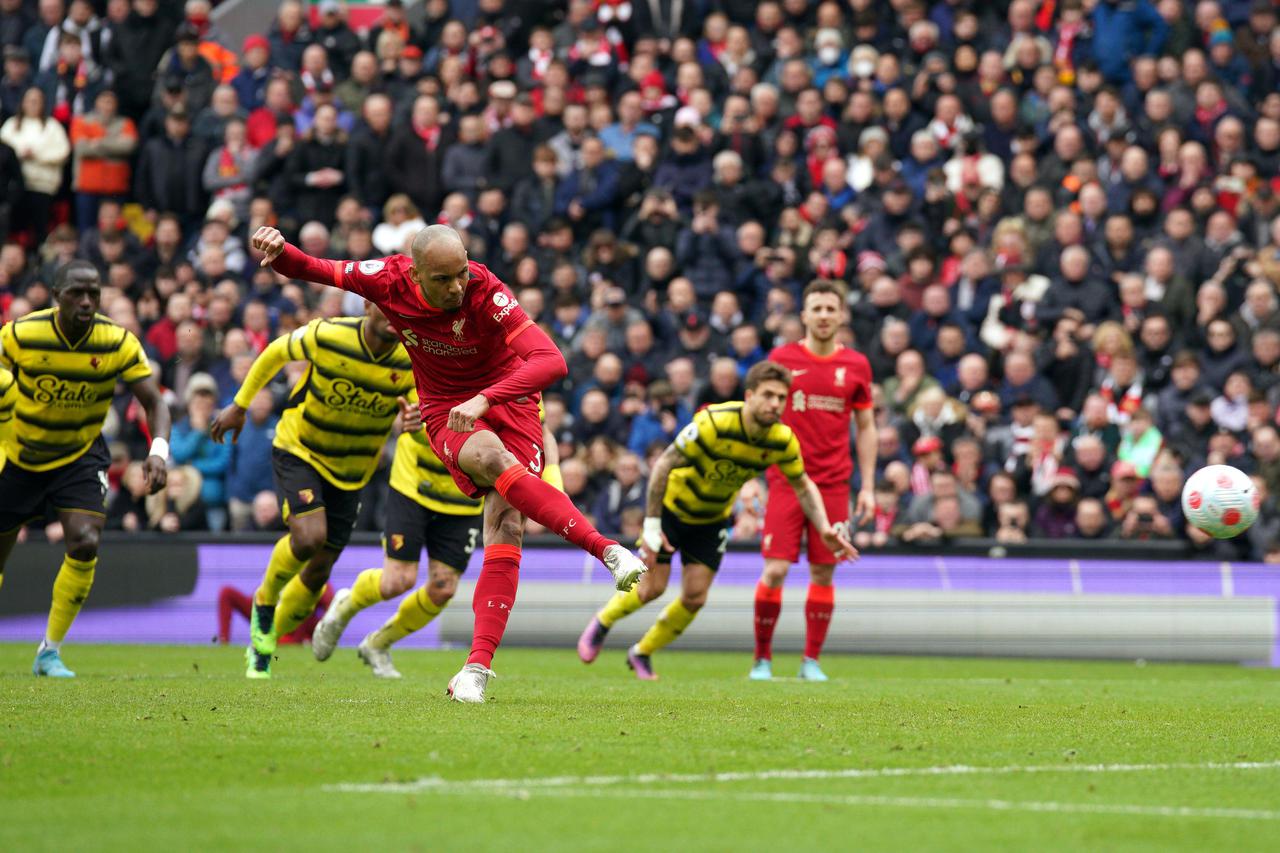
[
  {"x": 692, "y": 490},
  {"x": 828, "y": 382},
  {"x": 480, "y": 364}
]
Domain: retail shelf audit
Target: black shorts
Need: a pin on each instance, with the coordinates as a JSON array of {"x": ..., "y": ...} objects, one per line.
[
  {"x": 302, "y": 491},
  {"x": 78, "y": 486},
  {"x": 697, "y": 543},
  {"x": 410, "y": 525}
]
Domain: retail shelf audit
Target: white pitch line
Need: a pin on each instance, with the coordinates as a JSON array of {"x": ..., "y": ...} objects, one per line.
[
  {"x": 435, "y": 783},
  {"x": 1127, "y": 809}
]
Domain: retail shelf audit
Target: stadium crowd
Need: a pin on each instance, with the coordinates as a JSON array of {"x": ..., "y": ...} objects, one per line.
[{"x": 1057, "y": 220}]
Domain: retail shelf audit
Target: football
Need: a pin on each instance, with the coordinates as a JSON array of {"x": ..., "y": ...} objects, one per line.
[{"x": 1220, "y": 500}]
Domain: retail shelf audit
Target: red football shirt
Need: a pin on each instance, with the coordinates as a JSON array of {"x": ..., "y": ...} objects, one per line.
[
  {"x": 455, "y": 354},
  {"x": 824, "y": 391}
]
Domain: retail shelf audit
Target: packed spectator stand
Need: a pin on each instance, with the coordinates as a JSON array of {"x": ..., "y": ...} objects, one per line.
[{"x": 1057, "y": 220}]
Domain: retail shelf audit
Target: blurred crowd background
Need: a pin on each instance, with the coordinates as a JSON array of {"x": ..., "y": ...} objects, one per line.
[{"x": 1057, "y": 220}]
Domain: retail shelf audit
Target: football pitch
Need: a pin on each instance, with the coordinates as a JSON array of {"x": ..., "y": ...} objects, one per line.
[{"x": 171, "y": 748}]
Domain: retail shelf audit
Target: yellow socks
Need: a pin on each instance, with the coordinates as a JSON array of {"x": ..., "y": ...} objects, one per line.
[
  {"x": 297, "y": 602},
  {"x": 70, "y": 589},
  {"x": 622, "y": 604},
  {"x": 415, "y": 611},
  {"x": 365, "y": 592},
  {"x": 671, "y": 624},
  {"x": 282, "y": 566}
]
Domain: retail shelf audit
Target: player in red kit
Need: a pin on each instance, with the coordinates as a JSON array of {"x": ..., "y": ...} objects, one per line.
[
  {"x": 828, "y": 382},
  {"x": 479, "y": 364}
]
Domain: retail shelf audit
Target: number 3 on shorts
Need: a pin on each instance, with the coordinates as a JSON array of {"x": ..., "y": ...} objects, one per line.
[
  {"x": 724, "y": 540},
  {"x": 471, "y": 539}
]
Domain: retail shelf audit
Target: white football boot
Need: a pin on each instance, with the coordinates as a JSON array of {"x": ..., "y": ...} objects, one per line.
[
  {"x": 325, "y": 638},
  {"x": 625, "y": 567},
  {"x": 469, "y": 684},
  {"x": 378, "y": 660}
]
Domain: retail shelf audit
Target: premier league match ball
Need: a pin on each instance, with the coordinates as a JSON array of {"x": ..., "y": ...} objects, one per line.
[{"x": 1220, "y": 500}]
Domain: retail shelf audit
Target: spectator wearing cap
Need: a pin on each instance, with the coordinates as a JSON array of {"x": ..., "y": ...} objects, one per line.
[
  {"x": 17, "y": 78},
  {"x": 335, "y": 36},
  {"x": 185, "y": 64},
  {"x": 1190, "y": 436},
  {"x": 42, "y": 148},
  {"x": 170, "y": 170},
  {"x": 250, "y": 81},
  {"x": 191, "y": 445},
  {"x": 1125, "y": 487}
]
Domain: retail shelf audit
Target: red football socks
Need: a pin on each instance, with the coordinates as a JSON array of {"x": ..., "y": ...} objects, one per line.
[
  {"x": 768, "y": 606},
  {"x": 817, "y": 618},
  {"x": 551, "y": 508},
  {"x": 494, "y": 597}
]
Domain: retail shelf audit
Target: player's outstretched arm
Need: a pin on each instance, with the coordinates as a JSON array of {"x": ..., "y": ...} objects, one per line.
[
  {"x": 289, "y": 260},
  {"x": 268, "y": 364},
  {"x": 148, "y": 395},
  {"x": 811, "y": 504}
]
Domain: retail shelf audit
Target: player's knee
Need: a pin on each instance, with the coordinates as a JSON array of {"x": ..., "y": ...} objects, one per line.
[
  {"x": 306, "y": 540},
  {"x": 442, "y": 587},
  {"x": 774, "y": 575},
  {"x": 821, "y": 575},
  {"x": 693, "y": 601},
  {"x": 507, "y": 528},
  {"x": 82, "y": 542},
  {"x": 397, "y": 582}
]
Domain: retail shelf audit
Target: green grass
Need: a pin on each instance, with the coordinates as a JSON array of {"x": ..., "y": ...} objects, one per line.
[{"x": 172, "y": 749}]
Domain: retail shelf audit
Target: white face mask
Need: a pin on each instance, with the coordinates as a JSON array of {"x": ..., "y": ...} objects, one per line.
[
  {"x": 829, "y": 55},
  {"x": 863, "y": 68}
]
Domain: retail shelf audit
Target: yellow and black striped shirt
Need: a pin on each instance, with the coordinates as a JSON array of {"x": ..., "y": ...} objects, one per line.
[
  {"x": 64, "y": 387},
  {"x": 341, "y": 411},
  {"x": 418, "y": 474},
  {"x": 8, "y": 399},
  {"x": 721, "y": 458}
]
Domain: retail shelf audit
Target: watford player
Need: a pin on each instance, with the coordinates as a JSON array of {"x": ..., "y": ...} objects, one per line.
[
  {"x": 424, "y": 508},
  {"x": 481, "y": 364},
  {"x": 829, "y": 381},
  {"x": 326, "y": 449},
  {"x": 692, "y": 489},
  {"x": 58, "y": 373}
]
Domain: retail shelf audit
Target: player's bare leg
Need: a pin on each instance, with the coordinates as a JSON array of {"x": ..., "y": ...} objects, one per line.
[
  {"x": 768, "y": 605},
  {"x": 395, "y": 578},
  {"x": 818, "y": 607},
  {"x": 695, "y": 582},
  {"x": 494, "y": 596},
  {"x": 415, "y": 611},
  {"x": 489, "y": 464},
  {"x": 652, "y": 585}
]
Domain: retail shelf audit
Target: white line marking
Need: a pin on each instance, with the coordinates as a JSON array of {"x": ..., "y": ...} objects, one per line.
[
  {"x": 435, "y": 783},
  {"x": 1077, "y": 585},
  {"x": 1131, "y": 810},
  {"x": 1228, "y": 581}
]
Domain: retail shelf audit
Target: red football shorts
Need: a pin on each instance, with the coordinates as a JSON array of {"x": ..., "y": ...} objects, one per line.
[
  {"x": 516, "y": 424},
  {"x": 784, "y": 523}
]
